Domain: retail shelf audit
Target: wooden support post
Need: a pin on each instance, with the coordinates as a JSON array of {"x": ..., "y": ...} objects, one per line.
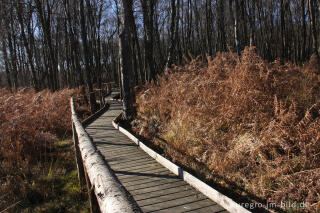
[
  {"x": 81, "y": 176},
  {"x": 94, "y": 206},
  {"x": 101, "y": 98}
]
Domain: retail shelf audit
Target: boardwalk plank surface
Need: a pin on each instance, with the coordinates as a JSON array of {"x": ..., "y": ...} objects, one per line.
[{"x": 154, "y": 187}]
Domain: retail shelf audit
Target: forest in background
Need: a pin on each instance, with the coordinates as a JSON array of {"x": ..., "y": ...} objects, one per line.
[
  {"x": 67, "y": 43},
  {"x": 210, "y": 108}
]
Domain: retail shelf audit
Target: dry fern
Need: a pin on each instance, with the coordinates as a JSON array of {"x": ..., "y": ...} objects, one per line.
[{"x": 253, "y": 122}]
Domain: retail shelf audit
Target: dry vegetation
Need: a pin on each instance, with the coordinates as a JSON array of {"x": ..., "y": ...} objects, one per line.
[
  {"x": 32, "y": 161},
  {"x": 252, "y": 122}
]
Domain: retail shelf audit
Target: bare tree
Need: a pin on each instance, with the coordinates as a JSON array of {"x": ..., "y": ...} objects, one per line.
[
  {"x": 312, "y": 11},
  {"x": 148, "y": 7},
  {"x": 44, "y": 15},
  {"x": 173, "y": 28},
  {"x": 28, "y": 47},
  {"x": 87, "y": 59},
  {"x": 221, "y": 27},
  {"x": 126, "y": 57}
]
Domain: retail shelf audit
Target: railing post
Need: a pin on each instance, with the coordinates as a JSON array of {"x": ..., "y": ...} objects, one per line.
[
  {"x": 81, "y": 174},
  {"x": 94, "y": 206},
  {"x": 101, "y": 98}
]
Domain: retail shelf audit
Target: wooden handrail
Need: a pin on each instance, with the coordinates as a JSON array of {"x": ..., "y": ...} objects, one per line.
[{"x": 101, "y": 182}]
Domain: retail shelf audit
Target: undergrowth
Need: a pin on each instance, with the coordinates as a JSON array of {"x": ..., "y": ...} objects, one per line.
[
  {"x": 254, "y": 123},
  {"x": 35, "y": 167}
]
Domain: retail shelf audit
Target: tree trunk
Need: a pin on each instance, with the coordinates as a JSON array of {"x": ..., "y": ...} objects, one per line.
[
  {"x": 28, "y": 48},
  {"x": 221, "y": 29},
  {"x": 13, "y": 59},
  {"x": 5, "y": 55},
  {"x": 176, "y": 32},
  {"x": 304, "y": 30},
  {"x": 148, "y": 13},
  {"x": 170, "y": 60},
  {"x": 312, "y": 12},
  {"x": 136, "y": 47},
  {"x": 282, "y": 30},
  {"x": 209, "y": 26},
  {"x": 45, "y": 20},
  {"x": 92, "y": 98},
  {"x": 252, "y": 19},
  {"x": 243, "y": 20},
  {"x": 236, "y": 32},
  {"x": 125, "y": 57},
  {"x": 118, "y": 13}
]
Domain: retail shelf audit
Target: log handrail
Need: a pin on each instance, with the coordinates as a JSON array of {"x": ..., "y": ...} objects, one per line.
[{"x": 101, "y": 182}]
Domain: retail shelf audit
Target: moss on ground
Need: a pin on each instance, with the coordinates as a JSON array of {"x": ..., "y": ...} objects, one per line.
[{"x": 57, "y": 189}]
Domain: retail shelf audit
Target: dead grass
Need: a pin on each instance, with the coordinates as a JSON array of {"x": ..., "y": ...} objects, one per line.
[
  {"x": 252, "y": 122},
  {"x": 31, "y": 124}
]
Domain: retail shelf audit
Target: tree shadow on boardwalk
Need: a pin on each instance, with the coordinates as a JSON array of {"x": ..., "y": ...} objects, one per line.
[
  {"x": 144, "y": 174},
  {"x": 115, "y": 144}
]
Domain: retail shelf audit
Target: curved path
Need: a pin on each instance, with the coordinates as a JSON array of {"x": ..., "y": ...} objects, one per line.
[{"x": 152, "y": 186}]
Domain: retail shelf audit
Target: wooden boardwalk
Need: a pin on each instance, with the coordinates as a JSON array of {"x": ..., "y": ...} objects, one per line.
[{"x": 153, "y": 187}]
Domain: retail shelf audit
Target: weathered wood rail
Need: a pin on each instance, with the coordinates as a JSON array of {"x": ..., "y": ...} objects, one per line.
[
  {"x": 103, "y": 92},
  {"x": 105, "y": 192},
  {"x": 100, "y": 94}
]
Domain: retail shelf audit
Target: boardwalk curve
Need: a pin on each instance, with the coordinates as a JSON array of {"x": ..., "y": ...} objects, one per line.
[{"x": 152, "y": 186}]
